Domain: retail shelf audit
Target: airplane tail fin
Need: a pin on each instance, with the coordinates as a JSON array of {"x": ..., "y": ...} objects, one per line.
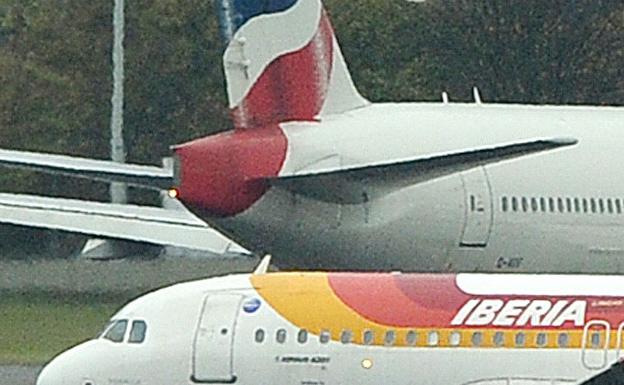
[{"x": 282, "y": 62}]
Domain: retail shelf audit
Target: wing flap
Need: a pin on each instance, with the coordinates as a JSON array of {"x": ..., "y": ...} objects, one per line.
[
  {"x": 101, "y": 170},
  {"x": 135, "y": 223},
  {"x": 364, "y": 183}
]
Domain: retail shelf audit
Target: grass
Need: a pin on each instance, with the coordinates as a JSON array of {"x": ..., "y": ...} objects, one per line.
[{"x": 34, "y": 327}]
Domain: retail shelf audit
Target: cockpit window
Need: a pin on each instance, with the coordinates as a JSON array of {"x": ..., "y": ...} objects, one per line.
[
  {"x": 117, "y": 332},
  {"x": 105, "y": 329},
  {"x": 137, "y": 333}
]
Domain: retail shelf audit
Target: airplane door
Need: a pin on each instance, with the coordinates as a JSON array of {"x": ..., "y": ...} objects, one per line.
[
  {"x": 478, "y": 208},
  {"x": 618, "y": 345},
  {"x": 214, "y": 339},
  {"x": 595, "y": 345}
]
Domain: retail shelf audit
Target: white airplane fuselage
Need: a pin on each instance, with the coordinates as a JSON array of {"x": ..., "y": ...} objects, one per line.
[
  {"x": 293, "y": 329},
  {"x": 569, "y": 202}
]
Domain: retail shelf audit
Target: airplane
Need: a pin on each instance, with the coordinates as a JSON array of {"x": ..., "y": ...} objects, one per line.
[
  {"x": 358, "y": 328},
  {"x": 319, "y": 177}
]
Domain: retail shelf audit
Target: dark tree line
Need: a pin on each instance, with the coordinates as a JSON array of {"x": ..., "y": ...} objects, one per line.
[{"x": 55, "y": 68}]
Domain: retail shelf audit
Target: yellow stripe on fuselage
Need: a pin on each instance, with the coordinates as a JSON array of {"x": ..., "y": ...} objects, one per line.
[{"x": 307, "y": 301}]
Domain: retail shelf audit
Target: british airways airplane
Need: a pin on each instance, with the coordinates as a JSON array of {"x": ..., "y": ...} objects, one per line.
[
  {"x": 319, "y": 177},
  {"x": 358, "y": 328}
]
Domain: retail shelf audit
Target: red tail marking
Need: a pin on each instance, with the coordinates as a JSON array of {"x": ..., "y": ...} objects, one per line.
[{"x": 293, "y": 87}]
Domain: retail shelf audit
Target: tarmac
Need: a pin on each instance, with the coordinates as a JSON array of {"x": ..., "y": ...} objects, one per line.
[
  {"x": 131, "y": 276},
  {"x": 19, "y": 375}
]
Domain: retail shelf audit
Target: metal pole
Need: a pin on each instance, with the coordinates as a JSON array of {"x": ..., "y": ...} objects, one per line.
[{"x": 118, "y": 191}]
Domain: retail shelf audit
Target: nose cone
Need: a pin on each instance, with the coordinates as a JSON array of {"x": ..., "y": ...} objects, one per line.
[
  {"x": 69, "y": 367},
  {"x": 52, "y": 374},
  {"x": 223, "y": 175}
]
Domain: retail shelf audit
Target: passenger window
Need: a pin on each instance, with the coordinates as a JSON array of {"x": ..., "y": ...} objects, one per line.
[
  {"x": 592, "y": 203},
  {"x": 541, "y": 339},
  {"x": 618, "y": 206},
  {"x": 117, "y": 332},
  {"x": 520, "y": 339},
  {"x": 585, "y": 207},
  {"x": 534, "y": 204},
  {"x": 325, "y": 336},
  {"x": 595, "y": 340},
  {"x": 609, "y": 206},
  {"x": 563, "y": 340},
  {"x": 560, "y": 205},
  {"x": 514, "y": 204},
  {"x": 569, "y": 204},
  {"x": 504, "y": 204},
  {"x": 302, "y": 336},
  {"x": 280, "y": 336},
  {"x": 368, "y": 337},
  {"x": 455, "y": 338},
  {"x": 259, "y": 336},
  {"x": 477, "y": 339},
  {"x": 411, "y": 338},
  {"x": 601, "y": 205},
  {"x": 525, "y": 204},
  {"x": 346, "y": 336},
  {"x": 433, "y": 338},
  {"x": 543, "y": 204},
  {"x": 390, "y": 337},
  {"x": 551, "y": 205},
  {"x": 499, "y": 339},
  {"x": 577, "y": 205},
  {"x": 137, "y": 333}
]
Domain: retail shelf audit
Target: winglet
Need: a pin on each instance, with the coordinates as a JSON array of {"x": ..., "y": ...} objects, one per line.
[
  {"x": 565, "y": 141},
  {"x": 263, "y": 266},
  {"x": 477, "y": 95}
]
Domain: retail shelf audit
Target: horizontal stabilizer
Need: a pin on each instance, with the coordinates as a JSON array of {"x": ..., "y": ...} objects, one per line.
[
  {"x": 129, "y": 222},
  {"x": 100, "y": 170},
  {"x": 364, "y": 183}
]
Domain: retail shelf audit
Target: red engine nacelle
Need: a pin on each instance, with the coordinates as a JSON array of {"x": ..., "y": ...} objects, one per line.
[{"x": 224, "y": 174}]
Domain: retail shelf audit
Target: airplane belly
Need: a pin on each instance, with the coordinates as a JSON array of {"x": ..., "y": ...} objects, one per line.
[
  {"x": 412, "y": 229},
  {"x": 352, "y": 364}
]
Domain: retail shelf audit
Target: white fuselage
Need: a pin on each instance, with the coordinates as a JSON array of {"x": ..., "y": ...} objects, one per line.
[
  {"x": 455, "y": 222},
  {"x": 203, "y": 332}
]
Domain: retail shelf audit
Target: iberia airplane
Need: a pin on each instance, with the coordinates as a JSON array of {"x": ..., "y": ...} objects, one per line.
[
  {"x": 318, "y": 176},
  {"x": 358, "y": 328}
]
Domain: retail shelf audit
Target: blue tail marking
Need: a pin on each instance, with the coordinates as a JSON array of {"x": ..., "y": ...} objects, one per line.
[{"x": 233, "y": 14}]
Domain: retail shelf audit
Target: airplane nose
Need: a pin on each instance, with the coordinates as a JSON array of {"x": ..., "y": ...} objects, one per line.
[
  {"x": 52, "y": 373},
  {"x": 68, "y": 367}
]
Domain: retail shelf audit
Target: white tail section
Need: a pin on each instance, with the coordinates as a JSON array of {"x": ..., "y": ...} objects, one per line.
[{"x": 282, "y": 63}]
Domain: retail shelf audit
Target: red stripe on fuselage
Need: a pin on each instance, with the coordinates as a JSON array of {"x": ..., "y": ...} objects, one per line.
[
  {"x": 430, "y": 300},
  {"x": 293, "y": 86},
  {"x": 400, "y": 301}
]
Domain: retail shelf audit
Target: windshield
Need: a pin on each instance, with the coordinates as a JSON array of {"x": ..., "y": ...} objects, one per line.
[
  {"x": 117, "y": 331},
  {"x": 105, "y": 329},
  {"x": 137, "y": 333}
]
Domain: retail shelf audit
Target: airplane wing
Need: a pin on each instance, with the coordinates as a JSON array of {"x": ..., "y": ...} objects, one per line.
[
  {"x": 130, "y": 222},
  {"x": 102, "y": 170},
  {"x": 360, "y": 184}
]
